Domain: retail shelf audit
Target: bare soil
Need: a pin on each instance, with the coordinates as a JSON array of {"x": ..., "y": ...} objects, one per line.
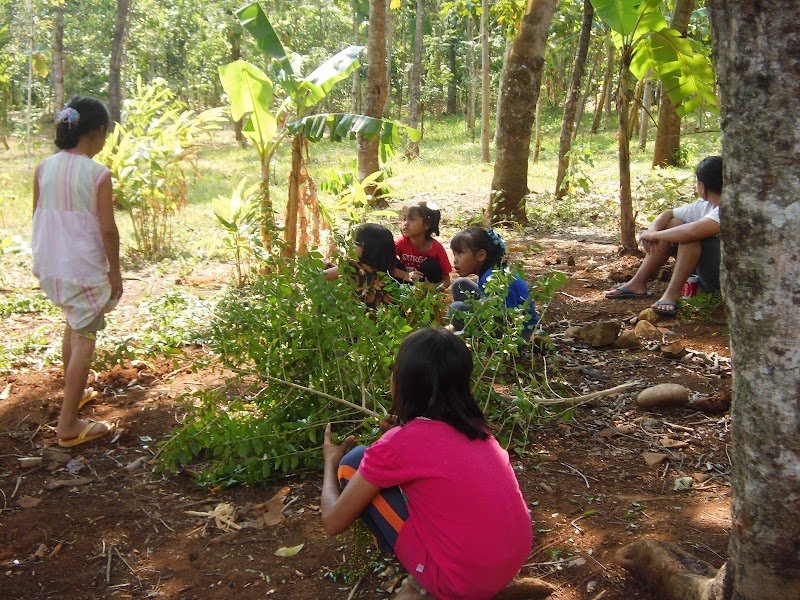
[{"x": 117, "y": 529}]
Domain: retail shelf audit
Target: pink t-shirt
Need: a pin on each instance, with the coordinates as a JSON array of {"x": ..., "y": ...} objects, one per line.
[
  {"x": 468, "y": 530},
  {"x": 412, "y": 258}
]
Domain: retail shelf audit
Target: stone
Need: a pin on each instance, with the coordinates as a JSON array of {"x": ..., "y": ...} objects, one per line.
[
  {"x": 663, "y": 394},
  {"x": 601, "y": 333},
  {"x": 645, "y": 329},
  {"x": 673, "y": 349},
  {"x": 648, "y": 314},
  {"x": 627, "y": 339}
]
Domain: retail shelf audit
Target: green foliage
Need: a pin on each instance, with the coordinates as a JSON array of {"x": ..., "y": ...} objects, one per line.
[
  {"x": 658, "y": 190},
  {"x": 703, "y": 306},
  {"x": 21, "y": 303},
  {"x": 581, "y": 159},
  {"x": 149, "y": 158},
  {"x": 354, "y": 201}
]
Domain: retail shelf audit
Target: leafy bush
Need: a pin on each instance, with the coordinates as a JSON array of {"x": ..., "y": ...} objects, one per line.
[{"x": 661, "y": 189}]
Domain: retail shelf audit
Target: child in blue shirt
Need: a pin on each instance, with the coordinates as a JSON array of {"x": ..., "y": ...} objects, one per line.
[{"x": 478, "y": 251}]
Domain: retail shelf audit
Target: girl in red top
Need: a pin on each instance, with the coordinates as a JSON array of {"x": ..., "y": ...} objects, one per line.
[
  {"x": 422, "y": 256},
  {"x": 437, "y": 490}
]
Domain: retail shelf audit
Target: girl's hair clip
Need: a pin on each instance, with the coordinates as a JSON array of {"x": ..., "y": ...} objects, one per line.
[
  {"x": 496, "y": 240},
  {"x": 68, "y": 116}
]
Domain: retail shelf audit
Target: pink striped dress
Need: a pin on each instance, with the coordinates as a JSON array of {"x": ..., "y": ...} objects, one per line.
[{"x": 69, "y": 259}]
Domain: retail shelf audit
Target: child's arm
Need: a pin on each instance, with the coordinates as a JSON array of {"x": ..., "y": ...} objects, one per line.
[
  {"x": 331, "y": 273},
  {"x": 110, "y": 235},
  {"x": 403, "y": 275},
  {"x": 340, "y": 509}
]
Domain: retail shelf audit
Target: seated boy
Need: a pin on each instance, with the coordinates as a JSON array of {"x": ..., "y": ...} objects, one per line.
[{"x": 691, "y": 234}]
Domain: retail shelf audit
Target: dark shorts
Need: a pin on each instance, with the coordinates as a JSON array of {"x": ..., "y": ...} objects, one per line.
[{"x": 707, "y": 268}]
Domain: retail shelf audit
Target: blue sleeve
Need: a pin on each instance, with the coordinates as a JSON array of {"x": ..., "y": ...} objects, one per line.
[{"x": 517, "y": 293}]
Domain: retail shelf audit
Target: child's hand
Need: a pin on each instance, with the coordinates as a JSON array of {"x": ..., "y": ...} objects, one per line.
[
  {"x": 388, "y": 422},
  {"x": 115, "y": 279},
  {"x": 332, "y": 453},
  {"x": 415, "y": 276}
]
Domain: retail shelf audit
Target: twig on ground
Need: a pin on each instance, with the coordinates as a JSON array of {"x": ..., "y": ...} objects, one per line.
[
  {"x": 678, "y": 427},
  {"x": 571, "y": 468},
  {"x": 303, "y": 388},
  {"x": 125, "y": 561},
  {"x": 355, "y": 589},
  {"x": 16, "y": 486},
  {"x": 108, "y": 565},
  {"x": 600, "y": 595},
  {"x": 585, "y": 397}
]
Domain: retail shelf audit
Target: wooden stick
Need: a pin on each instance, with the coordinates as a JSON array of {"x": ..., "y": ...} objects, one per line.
[
  {"x": 355, "y": 589},
  {"x": 585, "y": 397},
  {"x": 303, "y": 388}
]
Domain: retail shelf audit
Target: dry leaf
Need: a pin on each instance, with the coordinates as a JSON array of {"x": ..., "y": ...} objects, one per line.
[
  {"x": 28, "y": 502},
  {"x": 670, "y": 443},
  {"x": 288, "y": 551},
  {"x": 268, "y": 513},
  {"x": 654, "y": 458},
  {"x": 701, "y": 477},
  {"x": 41, "y": 551}
]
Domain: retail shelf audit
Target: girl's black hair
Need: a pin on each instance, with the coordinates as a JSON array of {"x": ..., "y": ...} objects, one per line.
[
  {"x": 431, "y": 378},
  {"x": 92, "y": 115},
  {"x": 477, "y": 238},
  {"x": 709, "y": 173},
  {"x": 430, "y": 214},
  {"x": 377, "y": 246}
]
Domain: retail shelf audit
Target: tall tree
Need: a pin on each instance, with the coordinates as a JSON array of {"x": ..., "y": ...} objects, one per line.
[
  {"x": 485, "y": 78},
  {"x": 472, "y": 78},
  {"x": 605, "y": 94},
  {"x": 58, "y": 56},
  {"x": 647, "y": 102},
  {"x": 415, "y": 83},
  {"x": 521, "y": 83},
  {"x": 234, "y": 34},
  {"x": 588, "y": 89},
  {"x": 668, "y": 135},
  {"x": 377, "y": 89},
  {"x": 571, "y": 103},
  {"x": 757, "y": 51},
  {"x": 117, "y": 54}
]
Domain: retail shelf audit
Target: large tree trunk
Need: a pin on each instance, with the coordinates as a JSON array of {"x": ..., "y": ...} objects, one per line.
[
  {"x": 668, "y": 135},
  {"x": 605, "y": 93},
  {"x": 485, "y": 73},
  {"x": 415, "y": 83},
  {"x": 568, "y": 122},
  {"x": 472, "y": 78},
  {"x": 520, "y": 85},
  {"x": 757, "y": 51},
  {"x": 377, "y": 88},
  {"x": 503, "y": 68},
  {"x": 58, "y": 57},
  {"x": 117, "y": 54},
  {"x": 627, "y": 223}
]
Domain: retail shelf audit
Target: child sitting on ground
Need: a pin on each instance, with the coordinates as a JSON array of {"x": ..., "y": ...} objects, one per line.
[
  {"x": 75, "y": 246},
  {"x": 422, "y": 257},
  {"x": 477, "y": 251},
  {"x": 375, "y": 253},
  {"x": 438, "y": 491}
]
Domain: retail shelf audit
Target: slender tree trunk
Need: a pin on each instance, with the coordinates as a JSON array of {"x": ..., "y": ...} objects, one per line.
[
  {"x": 356, "y": 89},
  {"x": 415, "y": 84},
  {"x": 389, "y": 40},
  {"x": 647, "y": 102},
  {"x": 587, "y": 90},
  {"x": 293, "y": 193},
  {"x": 472, "y": 76},
  {"x": 437, "y": 101},
  {"x": 668, "y": 135},
  {"x": 485, "y": 73},
  {"x": 29, "y": 103},
  {"x": 635, "y": 109},
  {"x": 571, "y": 102},
  {"x": 537, "y": 138},
  {"x": 58, "y": 57},
  {"x": 757, "y": 52},
  {"x": 452, "y": 84},
  {"x": 377, "y": 88},
  {"x": 605, "y": 92},
  {"x": 520, "y": 85},
  {"x": 117, "y": 54},
  {"x": 627, "y": 224},
  {"x": 612, "y": 58},
  {"x": 235, "y": 41}
]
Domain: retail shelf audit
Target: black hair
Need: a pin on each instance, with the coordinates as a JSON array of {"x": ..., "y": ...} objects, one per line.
[
  {"x": 377, "y": 246},
  {"x": 92, "y": 115},
  {"x": 478, "y": 238},
  {"x": 431, "y": 378},
  {"x": 709, "y": 173},
  {"x": 430, "y": 214}
]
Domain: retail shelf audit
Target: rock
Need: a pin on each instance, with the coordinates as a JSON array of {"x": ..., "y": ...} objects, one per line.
[
  {"x": 654, "y": 458},
  {"x": 664, "y": 394},
  {"x": 627, "y": 339},
  {"x": 648, "y": 314},
  {"x": 572, "y": 332},
  {"x": 682, "y": 483},
  {"x": 645, "y": 329},
  {"x": 602, "y": 333},
  {"x": 673, "y": 349}
]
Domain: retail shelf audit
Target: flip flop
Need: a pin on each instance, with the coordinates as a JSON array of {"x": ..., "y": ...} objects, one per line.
[
  {"x": 623, "y": 292},
  {"x": 665, "y": 312},
  {"x": 84, "y": 437},
  {"x": 89, "y": 394}
]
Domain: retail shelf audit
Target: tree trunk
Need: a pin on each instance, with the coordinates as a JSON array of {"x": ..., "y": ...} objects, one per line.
[
  {"x": 117, "y": 54},
  {"x": 588, "y": 87},
  {"x": 415, "y": 83},
  {"x": 612, "y": 57},
  {"x": 605, "y": 92},
  {"x": 647, "y": 102},
  {"x": 635, "y": 109},
  {"x": 537, "y": 127},
  {"x": 485, "y": 73},
  {"x": 668, "y": 135},
  {"x": 452, "y": 84},
  {"x": 520, "y": 85},
  {"x": 235, "y": 41},
  {"x": 356, "y": 88},
  {"x": 627, "y": 224},
  {"x": 472, "y": 76},
  {"x": 757, "y": 51},
  {"x": 58, "y": 58},
  {"x": 377, "y": 86},
  {"x": 503, "y": 68},
  {"x": 568, "y": 122},
  {"x": 293, "y": 193},
  {"x": 389, "y": 40}
]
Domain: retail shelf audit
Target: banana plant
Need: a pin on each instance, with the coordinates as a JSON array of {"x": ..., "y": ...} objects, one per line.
[
  {"x": 253, "y": 93},
  {"x": 646, "y": 42}
]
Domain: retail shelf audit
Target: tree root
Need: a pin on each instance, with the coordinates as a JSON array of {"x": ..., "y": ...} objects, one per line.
[{"x": 670, "y": 573}]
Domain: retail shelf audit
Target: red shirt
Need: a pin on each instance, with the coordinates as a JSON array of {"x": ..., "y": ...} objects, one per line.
[
  {"x": 412, "y": 258},
  {"x": 468, "y": 530}
]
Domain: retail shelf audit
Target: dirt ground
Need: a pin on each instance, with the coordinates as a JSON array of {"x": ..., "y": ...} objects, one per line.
[{"x": 98, "y": 522}]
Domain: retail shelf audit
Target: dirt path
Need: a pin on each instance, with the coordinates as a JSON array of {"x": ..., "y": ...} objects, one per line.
[{"x": 115, "y": 529}]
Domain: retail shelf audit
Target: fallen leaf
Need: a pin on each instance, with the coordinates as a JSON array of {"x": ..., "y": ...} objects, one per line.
[
  {"x": 268, "y": 513},
  {"x": 28, "y": 501},
  {"x": 41, "y": 551},
  {"x": 654, "y": 458},
  {"x": 288, "y": 551},
  {"x": 670, "y": 443},
  {"x": 701, "y": 477},
  {"x": 56, "y": 550}
]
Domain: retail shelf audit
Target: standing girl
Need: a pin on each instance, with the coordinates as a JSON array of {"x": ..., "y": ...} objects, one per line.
[
  {"x": 422, "y": 256},
  {"x": 477, "y": 251},
  {"x": 438, "y": 491},
  {"x": 76, "y": 251}
]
